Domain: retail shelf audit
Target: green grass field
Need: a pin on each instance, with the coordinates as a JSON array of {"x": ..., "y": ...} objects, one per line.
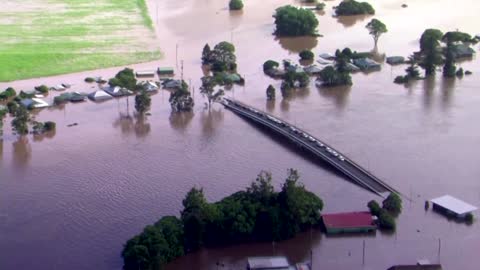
[{"x": 48, "y": 37}]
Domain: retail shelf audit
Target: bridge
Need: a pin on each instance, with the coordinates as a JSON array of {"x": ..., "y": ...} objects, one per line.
[{"x": 315, "y": 146}]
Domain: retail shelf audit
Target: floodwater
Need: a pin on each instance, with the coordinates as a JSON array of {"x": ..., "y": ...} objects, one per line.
[{"x": 70, "y": 200}]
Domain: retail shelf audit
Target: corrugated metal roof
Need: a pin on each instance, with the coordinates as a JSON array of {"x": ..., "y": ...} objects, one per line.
[
  {"x": 268, "y": 263},
  {"x": 348, "y": 220},
  {"x": 453, "y": 204}
]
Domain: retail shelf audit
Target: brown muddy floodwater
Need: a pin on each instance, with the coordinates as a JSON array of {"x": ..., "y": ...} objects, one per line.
[{"x": 70, "y": 200}]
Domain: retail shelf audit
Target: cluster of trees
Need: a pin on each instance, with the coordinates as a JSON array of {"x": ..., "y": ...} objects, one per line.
[
  {"x": 221, "y": 58},
  {"x": 222, "y": 63},
  {"x": 269, "y": 65},
  {"x": 292, "y": 80},
  {"x": 257, "y": 214},
  {"x": 352, "y": 7},
  {"x": 340, "y": 73},
  {"x": 40, "y": 127},
  {"x": 142, "y": 102},
  {"x": 8, "y": 93},
  {"x": 20, "y": 120},
  {"x": 124, "y": 78},
  {"x": 411, "y": 71},
  {"x": 235, "y": 5},
  {"x": 270, "y": 92},
  {"x": 180, "y": 99},
  {"x": 42, "y": 89},
  {"x": 391, "y": 207},
  {"x": 293, "y": 21},
  {"x": 432, "y": 54}
]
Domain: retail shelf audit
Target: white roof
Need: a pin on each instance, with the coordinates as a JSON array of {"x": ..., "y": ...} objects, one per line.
[
  {"x": 268, "y": 263},
  {"x": 39, "y": 103},
  {"x": 453, "y": 204},
  {"x": 100, "y": 94}
]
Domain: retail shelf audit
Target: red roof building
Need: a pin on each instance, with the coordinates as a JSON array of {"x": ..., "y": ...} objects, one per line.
[{"x": 351, "y": 222}]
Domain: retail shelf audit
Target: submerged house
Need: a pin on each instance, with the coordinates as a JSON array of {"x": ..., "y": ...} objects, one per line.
[
  {"x": 350, "y": 222},
  {"x": 313, "y": 69},
  {"x": 366, "y": 64},
  {"x": 417, "y": 267},
  {"x": 99, "y": 95},
  {"x": 72, "y": 97},
  {"x": 117, "y": 91},
  {"x": 36, "y": 103},
  {"x": 149, "y": 86},
  {"x": 395, "y": 60},
  {"x": 172, "y": 84},
  {"x": 261, "y": 263},
  {"x": 452, "y": 206}
]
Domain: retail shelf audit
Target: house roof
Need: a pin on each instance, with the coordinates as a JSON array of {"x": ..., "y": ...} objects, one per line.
[
  {"x": 348, "y": 220},
  {"x": 416, "y": 267},
  {"x": 453, "y": 204},
  {"x": 268, "y": 263},
  {"x": 99, "y": 94}
]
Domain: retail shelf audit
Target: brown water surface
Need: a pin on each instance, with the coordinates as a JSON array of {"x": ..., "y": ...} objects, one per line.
[{"x": 70, "y": 200}]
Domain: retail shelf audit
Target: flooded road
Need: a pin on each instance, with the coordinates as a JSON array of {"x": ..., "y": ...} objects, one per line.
[{"x": 70, "y": 200}]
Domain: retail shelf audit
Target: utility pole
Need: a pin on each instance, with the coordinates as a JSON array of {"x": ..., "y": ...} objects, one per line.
[
  {"x": 363, "y": 258},
  {"x": 439, "y": 248},
  {"x": 176, "y": 55},
  {"x": 181, "y": 74}
]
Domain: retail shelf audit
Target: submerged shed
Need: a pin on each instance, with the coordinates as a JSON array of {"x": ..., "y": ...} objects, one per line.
[
  {"x": 395, "y": 60},
  {"x": 350, "y": 222},
  {"x": 165, "y": 71},
  {"x": 277, "y": 263},
  {"x": 452, "y": 206},
  {"x": 99, "y": 95},
  {"x": 145, "y": 73},
  {"x": 366, "y": 64}
]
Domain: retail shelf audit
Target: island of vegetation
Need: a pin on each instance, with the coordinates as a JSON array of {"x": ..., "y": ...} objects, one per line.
[
  {"x": 235, "y": 5},
  {"x": 258, "y": 213},
  {"x": 293, "y": 21},
  {"x": 352, "y": 7},
  {"x": 221, "y": 64},
  {"x": 391, "y": 208}
]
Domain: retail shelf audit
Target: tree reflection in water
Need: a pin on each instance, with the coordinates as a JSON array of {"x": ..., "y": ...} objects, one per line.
[
  {"x": 349, "y": 21},
  {"x": 339, "y": 94},
  {"x": 298, "y": 44},
  {"x": 22, "y": 152},
  {"x": 210, "y": 119},
  {"x": 128, "y": 124},
  {"x": 180, "y": 120}
]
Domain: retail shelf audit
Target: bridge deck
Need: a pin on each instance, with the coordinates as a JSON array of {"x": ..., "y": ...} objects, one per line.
[{"x": 320, "y": 149}]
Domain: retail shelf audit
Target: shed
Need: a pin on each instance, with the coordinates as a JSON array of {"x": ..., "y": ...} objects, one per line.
[
  {"x": 395, "y": 60},
  {"x": 366, "y": 64},
  {"x": 99, "y": 95},
  {"x": 165, "y": 71},
  {"x": 34, "y": 103},
  {"x": 417, "y": 267},
  {"x": 277, "y": 263},
  {"x": 172, "y": 84},
  {"x": 452, "y": 206},
  {"x": 145, "y": 73},
  {"x": 323, "y": 61},
  {"x": 350, "y": 222}
]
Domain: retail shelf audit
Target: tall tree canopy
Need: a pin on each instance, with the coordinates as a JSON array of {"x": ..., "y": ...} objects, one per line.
[
  {"x": 376, "y": 28},
  {"x": 293, "y": 21}
]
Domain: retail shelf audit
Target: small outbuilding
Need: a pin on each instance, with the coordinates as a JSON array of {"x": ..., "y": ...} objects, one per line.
[
  {"x": 366, "y": 64},
  {"x": 117, "y": 91},
  {"x": 145, "y": 73},
  {"x": 165, "y": 71},
  {"x": 395, "y": 60},
  {"x": 325, "y": 62},
  {"x": 350, "y": 222},
  {"x": 36, "y": 103},
  {"x": 265, "y": 263},
  {"x": 452, "y": 206},
  {"x": 313, "y": 69},
  {"x": 327, "y": 56}
]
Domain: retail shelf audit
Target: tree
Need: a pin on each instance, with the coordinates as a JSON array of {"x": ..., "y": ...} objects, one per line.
[
  {"x": 19, "y": 123},
  {"x": 124, "y": 78},
  {"x": 334, "y": 77},
  {"x": 449, "y": 68},
  {"x": 457, "y": 36},
  {"x": 352, "y": 7},
  {"x": 142, "y": 102},
  {"x": 300, "y": 208},
  {"x": 430, "y": 37},
  {"x": 261, "y": 189},
  {"x": 374, "y": 207},
  {"x": 386, "y": 221},
  {"x": 206, "y": 54},
  {"x": 393, "y": 203},
  {"x": 412, "y": 69},
  {"x": 270, "y": 92},
  {"x": 292, "y": 21},
  {"x": 306, "y": 55},
  {"x": 270, "y": 64},
  {"x": 180, "y": 99},
  {"x": 376, "y": 28},
  {"x": 208, "y": 90},
  {"x": 42, "y": 89},
  {"x": 235, "y": 5}
]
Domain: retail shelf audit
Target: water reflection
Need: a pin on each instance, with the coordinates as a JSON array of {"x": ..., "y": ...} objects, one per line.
[
  {"x": 297, "y": 250},
  {"x": 48, "y": 135},
  {"x": 270, "y": 105},
  {"x": 338, "y": 94},
  {"x": 209, "y": 120},
  {"x": 298, "y": 44},
  {"x": 428, "y": 87},
  {"x": 22, "y": 152},
  {"x": 447, "y": 87},
  {"x": 349, "y": 21},
  {"x": 128, "y": 124},
  {"x": 285, "y": 105},
  {"x": 180, "y": 120},
  {"x": 377, "y": 56}
]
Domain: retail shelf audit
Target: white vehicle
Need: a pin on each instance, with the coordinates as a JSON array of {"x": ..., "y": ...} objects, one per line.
[
  {"x": 311, "y": 139},
  {"x": 341, "y": 158},
  {"x": 320, "y": 144}
]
